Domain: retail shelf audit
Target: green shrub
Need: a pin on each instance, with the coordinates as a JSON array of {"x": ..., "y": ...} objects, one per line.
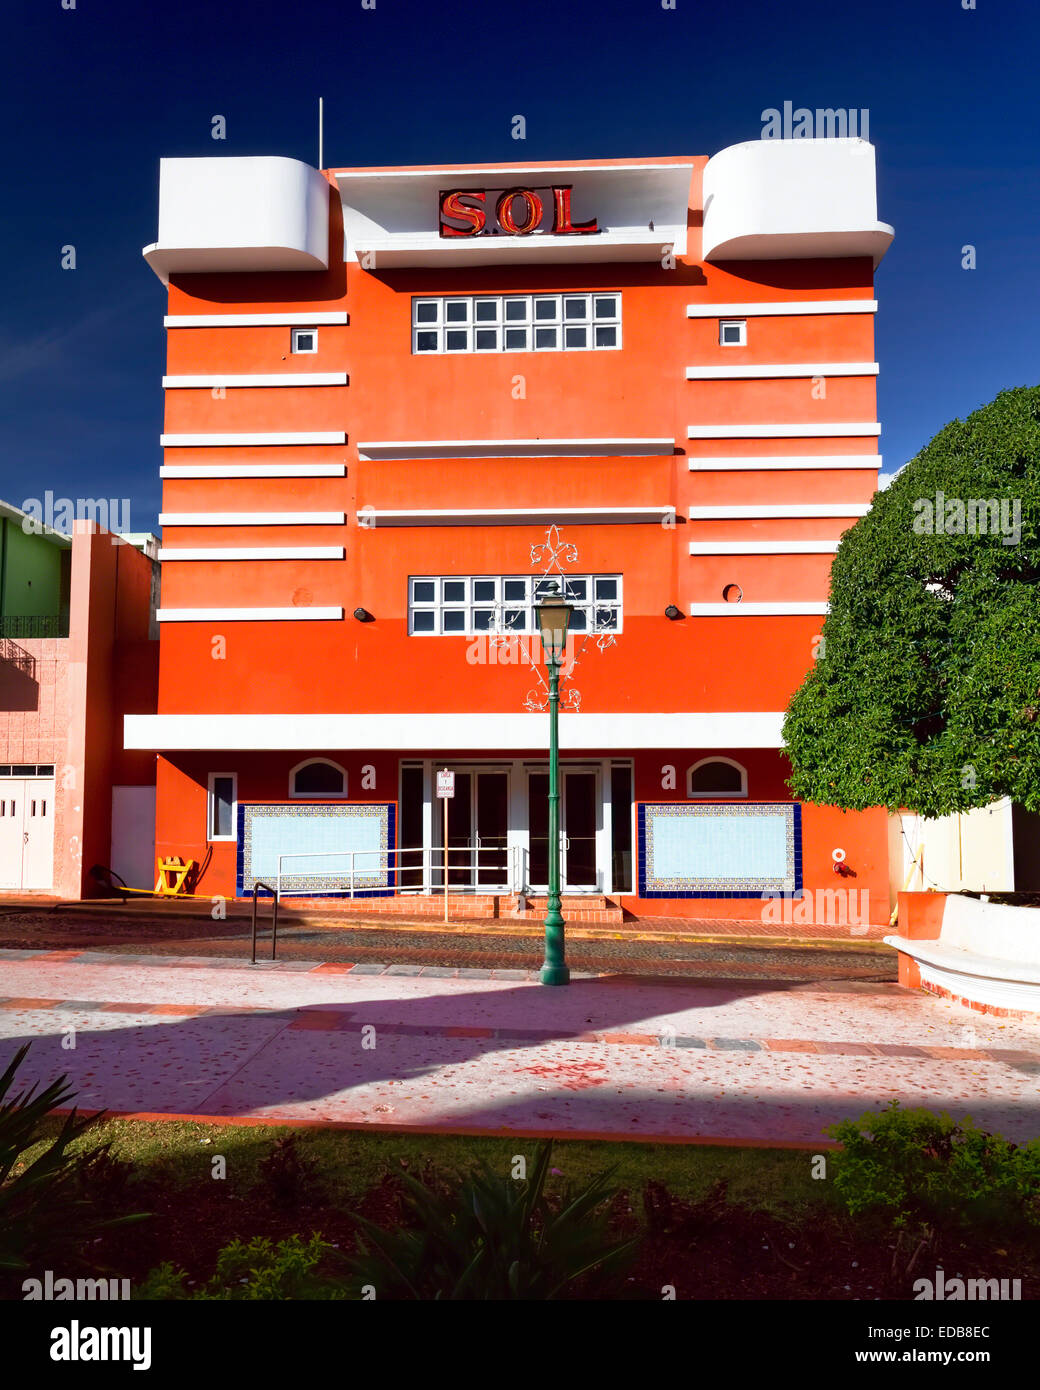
[
  {"x": 495, "y": 1237},
  {"x": 925, "y": 1171},
  {"x": 290, "y": 1270},
  {"x": 47, "y": 1205}
]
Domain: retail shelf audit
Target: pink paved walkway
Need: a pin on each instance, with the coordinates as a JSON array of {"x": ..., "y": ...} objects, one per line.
[{"x": 494, "y": 1051}]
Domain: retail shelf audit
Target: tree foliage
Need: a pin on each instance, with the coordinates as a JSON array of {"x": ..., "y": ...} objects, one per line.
[{"x": 926, "y": 692}]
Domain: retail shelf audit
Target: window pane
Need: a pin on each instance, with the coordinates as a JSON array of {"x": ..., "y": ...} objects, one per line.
[
  {"x": 545, "y": 337},
  {"x": 423, "y": 622},
  {"x": 576, "y": 337},
  {"x": 426, "y": 342},
  {"x": 606, "y": 588},
  {"x": 606, "y": 335},
  {"x": 454, "y": 591},
  {"x": 456, "y": 339},
  {"x": 515, "y": 619},
  {"x": 516, "y": 339},
  {"x": 318, "y": 779},
  {"x": 513, "y": 589},
  {"x": 223, "y": 796},
  {"x": 424, "y": 590},
  {"x": 486, "y": 339},
  {"x": 606, "y": 307},
  {"x": 454, "y": 620},
  {"x": 483, "y": 619},
  {"x": 577, "y": 589},
  {"x": 516, "y": 310},
  {"x": 426, "y": 311},
  {"x": 547, "y": 308},
  {"x": 578, "y": 623},
  {"x": 456, "y": 311},
  {"x": 483, "y": 590},
  {"x": 486, "y": 311},
  {"x": 606, "y": 618},
  {"x": 576, "y": 308}
]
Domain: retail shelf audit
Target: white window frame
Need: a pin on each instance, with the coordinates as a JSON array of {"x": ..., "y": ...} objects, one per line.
[
  {"x": 717, "y": 796},
  {"x": 296, "y": 338},
  {"x": 210, "y": 803},
  {"x": 468, "y": 605},
  {"x": 740, "y": 325},
  {"x": 439, "y": 326},
  {"x": 317, "y": 796}
]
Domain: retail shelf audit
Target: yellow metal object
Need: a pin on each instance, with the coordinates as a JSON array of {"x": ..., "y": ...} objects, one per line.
[
  {"x": 174, "y": 887},
  {"x": 918, "y": 863}
]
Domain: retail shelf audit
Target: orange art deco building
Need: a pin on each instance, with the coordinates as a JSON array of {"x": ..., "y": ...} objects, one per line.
[{"x": 399, "y": 402}]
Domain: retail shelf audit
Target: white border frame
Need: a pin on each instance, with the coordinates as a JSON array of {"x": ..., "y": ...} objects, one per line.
[
  {"x": 221, "y": 839},
  {"x": 317, "y": 796},
  {"x": 717, "y": 796}
]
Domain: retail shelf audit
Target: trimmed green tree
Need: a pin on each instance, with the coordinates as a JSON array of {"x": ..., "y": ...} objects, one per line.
[{"x": 926, "y": 689}]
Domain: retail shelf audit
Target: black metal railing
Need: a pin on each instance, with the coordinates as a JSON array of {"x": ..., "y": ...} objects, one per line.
[
  {"x": 274, "y": 917},
  {"x": 35, "y": 625}
]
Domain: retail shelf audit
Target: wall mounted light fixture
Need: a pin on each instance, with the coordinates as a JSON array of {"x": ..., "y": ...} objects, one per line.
[
  {"x": 363, "y": 615},
  {"x": 672, "y": 612}
]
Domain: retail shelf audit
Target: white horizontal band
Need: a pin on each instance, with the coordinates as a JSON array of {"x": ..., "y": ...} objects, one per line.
[
  {"x": 756, "y": 610},
  {"x": 517, "y": 516},
  {"x": 754, "y": 548},
  {"x": 301, "y": 319},
  {"x": 512, "y": 448},
  {"x": 756, "y": 510},
  {"x": 253, "y": 470},
  {"x": 219, "y": 441},
  {"x": 172, "y": 383},
  {"x": 781, "y": 369},
  {"x": 773, "y": 309},
  {"x": 253, "y": 552},
  {"x": 247, "y": 615},
  {"x": 834, "y": 430},
  {"x": 464, "y": 731},
  {"x": 252, "y": 518},
  {"x": 763, "y": 462}
]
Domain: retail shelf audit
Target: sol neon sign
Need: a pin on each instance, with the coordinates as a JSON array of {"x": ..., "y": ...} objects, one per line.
[{"x": 518, "y": 212}]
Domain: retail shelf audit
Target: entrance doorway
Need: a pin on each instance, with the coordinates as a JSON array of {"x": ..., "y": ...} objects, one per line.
[
  {"x": 579, "y": 821},
  {"x": 478, "y": 831},
  {"x": 27, "y": 834}
]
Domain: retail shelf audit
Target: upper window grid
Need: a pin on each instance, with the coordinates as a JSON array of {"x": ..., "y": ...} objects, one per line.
[
  {"x": 517, "y": 323},
  {"x": 305, "y": 340},
  {"x": 453, "y": 605}
]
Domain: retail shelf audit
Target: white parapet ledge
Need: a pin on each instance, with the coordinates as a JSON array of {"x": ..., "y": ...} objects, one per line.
[
  {"x": 739, "y": 430},
  {"x": 462, "y": 732},
  {"x": 220, "y": 441},
  {"x": 763, "y": 462},
  {"x": 757, "y": 548},
  {"x": 253, "y": 470},
  {"x": 253, "y": 552},
  {"x": 252, "y": 518},
  {"x": 781, "y": 369},
  {"x": 174, "y": 383},
  {"x": 757, "y": 610},
  {"x": 513, "y": 448},
  {"x": 765, "y": 510},
  {"x": 518, "y": 516},
  {"x": 299, "y": 318},
  {"x": 259, "y": 213},
  {"x": 247, "y": 615},
  {"x": 778, "y": 308},
  {"x": 792, "y": 199}
]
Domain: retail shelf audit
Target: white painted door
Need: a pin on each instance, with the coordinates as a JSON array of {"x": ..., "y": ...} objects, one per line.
[
  {"x": 38, "y": 836},
  {"x": 12, "y": 801},
  {"x": 27, "y": 834}
]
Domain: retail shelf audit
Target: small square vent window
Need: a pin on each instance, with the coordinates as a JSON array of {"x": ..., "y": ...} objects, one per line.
[
  {"x": 305, "y": 340},
  {"x": 732, "y": 332}
]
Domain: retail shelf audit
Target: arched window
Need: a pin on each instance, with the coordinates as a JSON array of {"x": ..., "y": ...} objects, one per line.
[
  {"x": 713, "y": 777},
  {"x": 318, "y": 777}
]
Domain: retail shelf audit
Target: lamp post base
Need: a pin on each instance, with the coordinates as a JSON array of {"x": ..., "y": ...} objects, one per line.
[{"x": 555, "y": 975}]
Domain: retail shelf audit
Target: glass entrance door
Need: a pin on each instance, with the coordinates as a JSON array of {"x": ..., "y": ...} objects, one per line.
[
  {"x": 579, "y": 818},
  {"x": 478, "y": 822}
]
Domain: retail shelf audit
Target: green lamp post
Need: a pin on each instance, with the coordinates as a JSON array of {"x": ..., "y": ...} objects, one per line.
[{"x": 554, "y": 616}]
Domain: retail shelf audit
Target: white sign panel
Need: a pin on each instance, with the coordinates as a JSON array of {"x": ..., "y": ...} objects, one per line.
[{"x": 445, "y": 784}]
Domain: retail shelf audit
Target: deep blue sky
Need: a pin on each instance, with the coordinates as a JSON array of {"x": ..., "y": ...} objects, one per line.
[{"x": 91, "y": 98}]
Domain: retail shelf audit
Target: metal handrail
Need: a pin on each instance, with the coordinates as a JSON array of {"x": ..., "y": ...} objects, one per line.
[
  {"x": 274, "y": 917},
  {"x": 393, "y": 857}
]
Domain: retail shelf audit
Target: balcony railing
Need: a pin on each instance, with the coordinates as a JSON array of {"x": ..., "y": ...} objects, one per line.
[{"x": 35, "y": 625}]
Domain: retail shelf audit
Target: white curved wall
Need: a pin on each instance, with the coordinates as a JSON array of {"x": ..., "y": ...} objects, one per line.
[
  {"x": 260, "y": 213},
  {"x": 779, "y": 199}
]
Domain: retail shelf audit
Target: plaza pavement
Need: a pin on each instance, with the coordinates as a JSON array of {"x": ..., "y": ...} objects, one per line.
[{"x": 492, "y": 1051}]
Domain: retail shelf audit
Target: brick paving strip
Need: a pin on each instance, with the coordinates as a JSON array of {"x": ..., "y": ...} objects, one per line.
[{"x": 490, "y": 1051}]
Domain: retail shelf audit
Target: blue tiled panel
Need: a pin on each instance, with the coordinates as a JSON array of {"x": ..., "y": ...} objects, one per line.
[
  {"x": 719, "y": 850},
  {"x": 335, "y": 828}
]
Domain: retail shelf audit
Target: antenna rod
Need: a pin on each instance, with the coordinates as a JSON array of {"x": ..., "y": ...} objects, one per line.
[{"x": 321, "y": 132}]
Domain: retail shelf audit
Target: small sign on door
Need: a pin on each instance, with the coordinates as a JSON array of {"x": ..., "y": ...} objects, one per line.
[{"x": 445, "y": 784}]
